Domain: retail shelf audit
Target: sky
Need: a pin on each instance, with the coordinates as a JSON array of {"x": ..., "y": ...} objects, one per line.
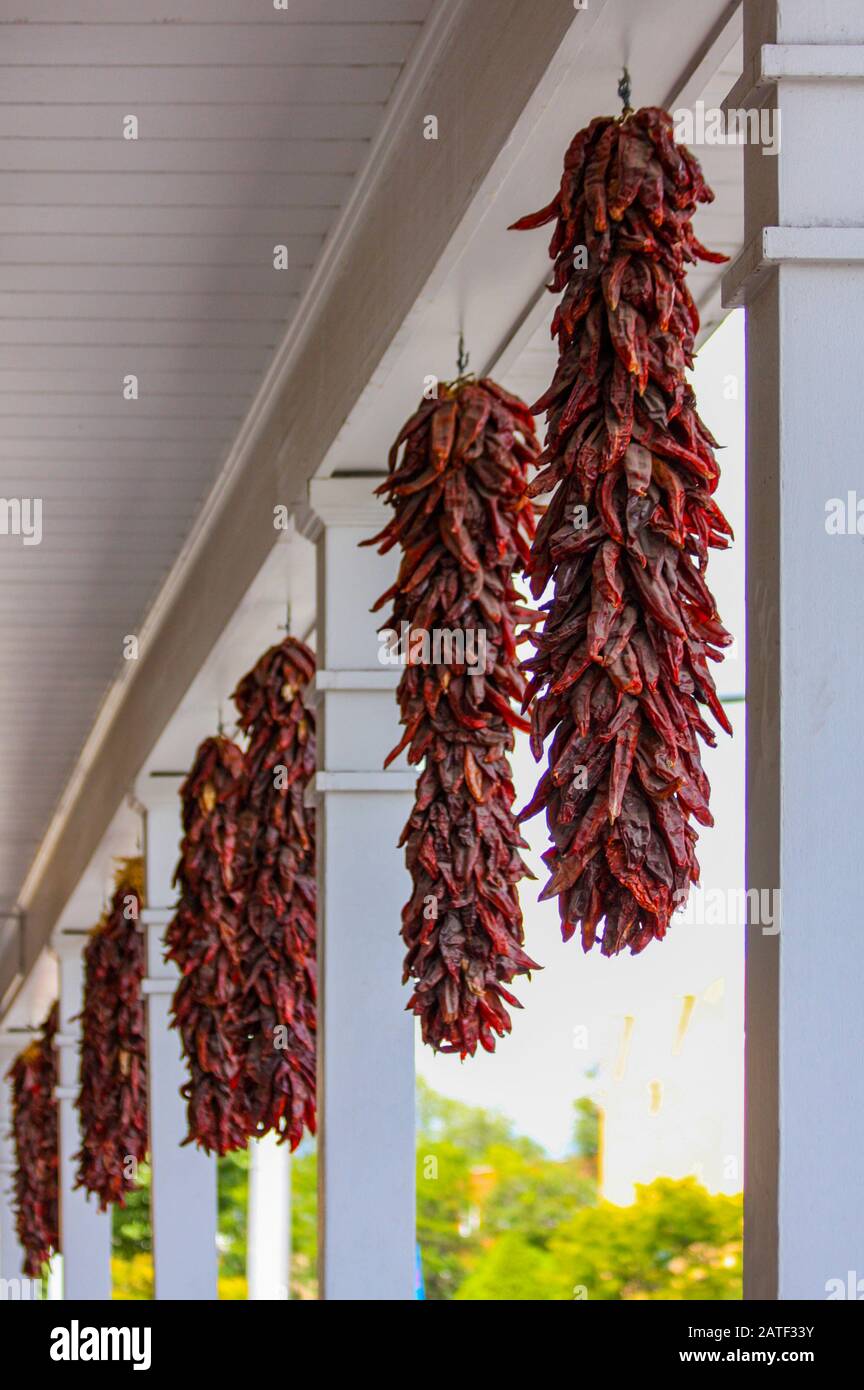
[{"x": 565, "y": 1041}]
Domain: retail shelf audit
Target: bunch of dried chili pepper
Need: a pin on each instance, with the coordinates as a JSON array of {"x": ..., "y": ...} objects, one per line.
[
  {"x": 203, "y": 939},
  {"x": 621, "y": 668},
  {"x": 112, "y": 1101},
  {"x": 33, "y": 1075},
  {"x": 464, "y": 521},
  {"x": 276, "y": 939}
]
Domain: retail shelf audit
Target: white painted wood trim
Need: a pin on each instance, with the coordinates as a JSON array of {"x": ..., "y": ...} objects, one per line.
[
  {"x": 804, "y": 1028},
  {"x": 155, "y": 916},
  {"x": 366, "y": 1200},
  {"x": 805, "y": 62},
  {"x": 364, "y": 781},
  {"x": 268, "y": 1228},
  {"x": 775, "y": 245},
  {"x": 349, "y": 501},
  {"x": 158, "y": 986},
  {"x": 385, "y": 679}
]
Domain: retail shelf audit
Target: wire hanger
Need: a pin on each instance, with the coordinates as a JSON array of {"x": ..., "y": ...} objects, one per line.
[{"x": 624, "y": 93}]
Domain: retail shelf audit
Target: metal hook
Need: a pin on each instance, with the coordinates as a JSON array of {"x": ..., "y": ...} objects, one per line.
[
  {"x": 625, "y": 92},
  {"x": 462, "y": 358},
  {"x": 286, "y": 626},
  {"x": 220, "y": 727}
]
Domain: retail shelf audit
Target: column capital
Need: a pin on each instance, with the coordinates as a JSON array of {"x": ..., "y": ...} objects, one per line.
[
  {"x": 155, "y": 789},
  {"x": 71, "y": 941},
  {"x": 366, "y": 680},
  {"x": 802, "y": 62},
  {"x": 775, "y": 246},
  {"x": 343, "y": 502}
]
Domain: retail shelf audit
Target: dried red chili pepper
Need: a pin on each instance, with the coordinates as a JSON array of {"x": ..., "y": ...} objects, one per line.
[
  {"x": 622, "y": 661},
  {"x": 276, "y": 839},
  {"x": 112, "y": 1100},
  {"x": 464, "y": 522},
  {"x": 33, "y": 1075},
  {"x": 203, "y": 940}
]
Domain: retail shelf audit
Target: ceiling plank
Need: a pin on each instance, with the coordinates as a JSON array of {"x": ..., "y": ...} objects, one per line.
[
  {"x": 139, "y": 88},
  {"x": 204, "y": 122},
  {"x": 56, "y": 12},
  {"x": 97, "y": 45}
]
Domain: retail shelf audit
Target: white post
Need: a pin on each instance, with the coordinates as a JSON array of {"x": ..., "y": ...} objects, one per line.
[
  {"x": 268, "y": 1226},
  {"x": 802, "y": 277},
  {"x": 183, "y": 1198},
  {"x": 11, "y": 1254},
  {"x": 85, "y": 1231},
  {"x": 365, "y": 1037}
]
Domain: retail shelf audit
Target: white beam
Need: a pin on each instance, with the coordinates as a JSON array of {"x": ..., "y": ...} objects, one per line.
[
  {"x": 85, "y": 1231},
  {"x": 365, "y": 1038},
  {"x": 805, "y": 662},
  {"x": 183, "y": 1197}
]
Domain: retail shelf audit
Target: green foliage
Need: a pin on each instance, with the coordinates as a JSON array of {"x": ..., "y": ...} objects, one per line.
[
  {"x": 478, "y": 1181},
  {"x": 468, "y": 1127},
  {"x": 304, "y": 1222},
  {"x": 675, "y": 1242},
  {"x": 513, "y": 1269},
  {"x": 443, "y": 1213},
  {"x": 132, "y": 1277},
  {"x": 130, "y": 1225},
  {"x": 497, "y": 1219},
  {"x": 532, "y": 1195},
  {"x": 586, "y": 1128},
  {"x": 233, "y": 1187}
]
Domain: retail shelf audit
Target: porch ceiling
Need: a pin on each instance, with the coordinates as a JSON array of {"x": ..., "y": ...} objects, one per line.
[
  {"x": 420, "y": 248},
  {"x": 152, "y": 257}
]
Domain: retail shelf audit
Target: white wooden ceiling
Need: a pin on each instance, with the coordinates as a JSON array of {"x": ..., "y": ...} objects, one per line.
[{"x": 155, "y": 258}]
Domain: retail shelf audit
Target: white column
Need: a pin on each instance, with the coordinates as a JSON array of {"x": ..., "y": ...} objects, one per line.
[
  {"x": 85, "y": 1231},
  {"x": 802, "y": 277},
  {"x": 268, "y": 1225},
  {"x": 11, "y": 1254},
  {"x": 365, "y": 1037},
  {"x": 183, "y": 1199}
]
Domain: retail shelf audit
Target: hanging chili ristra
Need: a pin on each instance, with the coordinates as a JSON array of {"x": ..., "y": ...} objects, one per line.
[
  {"x": 112, "y": 1101},
  {"x": 464, "y": 522},
  {"x": 33, "y": 1075},
  {"x": 622, "y": 661},
  {"x": 203, "y": 940},
  {"x": 276, "y": 840}
]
